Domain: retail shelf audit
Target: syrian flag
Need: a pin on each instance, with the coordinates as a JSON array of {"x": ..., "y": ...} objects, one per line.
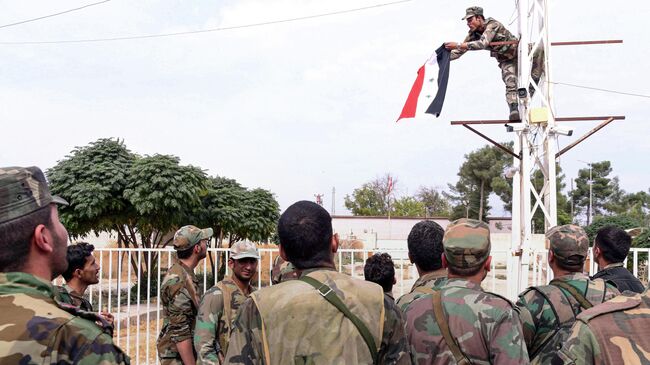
[{"x": 428, "y": 91}]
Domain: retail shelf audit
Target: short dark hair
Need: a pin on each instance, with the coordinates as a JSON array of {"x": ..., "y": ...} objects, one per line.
[
  {"x": 16, "y": 237},
  {"x": 425, "y": 245},
  {"x": 380, "y": 269},
  {"x": 465, "y": 271},
  {"x": 305, "y": 231},
  {"x": 614, "y": 243},
  {"x": 76, "y": 256}
]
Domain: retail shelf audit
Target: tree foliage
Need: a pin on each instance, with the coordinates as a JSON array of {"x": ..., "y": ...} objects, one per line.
[
  {"x": 601, "y": 189},
  {"x": 620, "y": 221},
  {"x": 372, "y": 198},
  {"x": 435, "y": 203}
]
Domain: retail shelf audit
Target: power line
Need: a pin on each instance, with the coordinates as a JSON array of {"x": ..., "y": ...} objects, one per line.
[
  {"x": 211, "y": 29},
  {"x": 598, "y": 89},
  {"x": 52, "y": 15}
]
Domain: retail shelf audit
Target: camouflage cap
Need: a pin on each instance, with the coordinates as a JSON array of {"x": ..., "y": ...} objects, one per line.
[
  {"x": 466, "y": 243},
  {"x": 472, "y": 11},
  {"x": 244, "y": 249},
  {"x": 188, "y": 236},
  {"x": 23, "y": 190},
  {"x": 569, "y": 244}
]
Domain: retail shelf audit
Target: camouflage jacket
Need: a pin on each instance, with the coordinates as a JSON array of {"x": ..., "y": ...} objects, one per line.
[
  {"x": 37, "y": 330},
  {"x": 283, "y": 271},
  {"x": 424, "y": 282},
  {"x": 180, "y": 304},
  {"x": 70, "y": 296},
  {"x": 290, "y": 323},
  {"x": 485, "y": 326},
  {"x": 542, "y": 312},
  {"x": 494, "y": 32},
  {"x": 213, "y": 323},
  {"x": 615, "y": 332}
]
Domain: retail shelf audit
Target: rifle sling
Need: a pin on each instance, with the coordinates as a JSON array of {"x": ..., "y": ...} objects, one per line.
[
  {"x": 441, "y": 319},
  {"x": 329, "y": 295},
  {"x": 584, "y": 303}
]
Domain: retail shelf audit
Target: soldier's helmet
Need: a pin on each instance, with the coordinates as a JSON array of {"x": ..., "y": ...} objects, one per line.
[
  {"x": 188, "y": 236},
  {"x": 473, "y": 11},
  {"x": 569, "y": 244},
  {"x": 24, "y": 190},
  {"x": 244, "y": 249},
  {"x": 466, "y": 243}
]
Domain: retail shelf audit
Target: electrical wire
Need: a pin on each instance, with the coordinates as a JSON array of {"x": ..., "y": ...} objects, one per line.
[
  {"x": 211, "y": 29},
  {"x": 53, "y": 15},
  {"x": 599, "y": 89}
]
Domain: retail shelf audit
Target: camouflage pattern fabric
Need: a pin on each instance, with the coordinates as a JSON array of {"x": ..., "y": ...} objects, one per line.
[
  {"x": 473, "y": 11},
  {"x": 540, "y": 313},
  {"x": 188, "y": 236},
  {"x": 485, "y": 325},
  {"x": 569, "y": 243},
  {"x": 244, "y": 249},
  {"x": 212, "y": 332},
  {"x": 180, "y": 304},
  {"x": 283, "y": 271},
  {"x": 290, "y": 323},
  {"x": 425, "y": 281},
  {"x": 70, "y": 296},
  {"x": 615, "y": 332},
  {"x": 466, "y": 243},
  {"x": 37, "y": 330}
]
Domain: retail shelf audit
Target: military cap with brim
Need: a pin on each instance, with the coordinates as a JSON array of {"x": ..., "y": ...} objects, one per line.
[
  {"x": 569, "y": 243},
  {"x": 24, "y": 190},
  {"x": 473, "y": 11},
  {"x": 188, "y": 236},
  {"x": 466, "y": 243},
  {"x": 244, "y": 249}
]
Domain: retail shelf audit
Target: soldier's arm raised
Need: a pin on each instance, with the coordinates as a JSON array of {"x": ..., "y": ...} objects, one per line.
[
  {"x": 206, "y": 342},
  {"x": 245, "y": 345},
  {"x": 394, "y": 346},
  {"x": 484, "y": 41}
]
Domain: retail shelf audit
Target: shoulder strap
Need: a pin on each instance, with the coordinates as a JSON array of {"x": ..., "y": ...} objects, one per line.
[
  {"x": 226, "y": 293},
  {"x": 329, "y": 295},
  {"x": 424, "y": 289},
  {"x": 441, "y": 319},
  {"x": 584, "y": 303}
]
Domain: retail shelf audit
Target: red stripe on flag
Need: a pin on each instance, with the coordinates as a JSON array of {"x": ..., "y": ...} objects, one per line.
[{"x": 412, "y": 101}]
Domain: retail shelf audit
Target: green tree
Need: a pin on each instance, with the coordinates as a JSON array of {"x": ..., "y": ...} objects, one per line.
[
  {"x": 620, "y": 221},
  {"x": 602, "y": 188},
  {"x": 407, "y": 206},
  {"x": 435, "y": 203},
  {"x": 636, "y": 205},
  {"x": 372, "y": 198},
  {"x": 478, "y": 176}
]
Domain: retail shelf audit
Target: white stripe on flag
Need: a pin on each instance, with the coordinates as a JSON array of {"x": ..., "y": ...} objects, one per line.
[{"x": 429, "y": 86}]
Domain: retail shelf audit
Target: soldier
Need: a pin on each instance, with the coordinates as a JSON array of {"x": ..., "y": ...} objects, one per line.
[
  {"x": 283, "y": 271},
  {"x": 219, "y": 305},
  {"x": 180, "y": 300},
  {"x": 460, "y": 322},
  {"x": 325, "y": 317},
  {"x": 380, "y": 269},
  {"x": 484, "y": 31},
  {"x": 425, "y": 252},
  {"x": 615, "y": 332},
  {"x": 35, "y": 328},
  {"x": 548, "y": 311},
  {"x": 611, "y": 247}
]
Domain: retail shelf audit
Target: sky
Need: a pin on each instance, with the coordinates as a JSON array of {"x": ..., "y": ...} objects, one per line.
[{"x": 301, "y": 107}]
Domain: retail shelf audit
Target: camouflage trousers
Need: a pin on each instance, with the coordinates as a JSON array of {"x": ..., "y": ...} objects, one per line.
[{"x": 509, "y": 74}]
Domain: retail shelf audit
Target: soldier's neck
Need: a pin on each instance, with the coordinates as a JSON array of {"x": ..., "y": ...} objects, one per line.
[
  {"x": 78, "y": 286},
  {"x": 476, "y": 278},
  {"x": 190, "y": 262}
]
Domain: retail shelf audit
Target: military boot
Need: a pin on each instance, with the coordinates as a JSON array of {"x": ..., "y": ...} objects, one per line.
[{"x": 514, "y": 111}]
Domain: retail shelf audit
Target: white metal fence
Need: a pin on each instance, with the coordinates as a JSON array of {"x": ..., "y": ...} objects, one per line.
[{"x": 129, "y": 285}]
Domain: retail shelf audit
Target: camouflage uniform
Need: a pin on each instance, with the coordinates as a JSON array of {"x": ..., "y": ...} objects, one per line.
[
  {"x": 485, "y": 326},
  {"x": 290, "y": 323},
  {"x": 615, "y": 332},
  {"x": 180, "y": 301},
  {"x": 70, "y": 296},
  {"x": 422, "y": 286},
  {"x": 547, "y": 312},
  {"x": 34, "y": 327},
  {"x": 283, "y": 271},
  {"x": 506, "y": 55},
  {"x": 218, "y": 309}
]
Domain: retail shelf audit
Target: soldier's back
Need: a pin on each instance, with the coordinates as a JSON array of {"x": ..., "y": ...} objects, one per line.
[
  {"x": 37, "y": 330},
  {"x": 485, "y": 326},
  {"x": 615, "y": 332}
]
